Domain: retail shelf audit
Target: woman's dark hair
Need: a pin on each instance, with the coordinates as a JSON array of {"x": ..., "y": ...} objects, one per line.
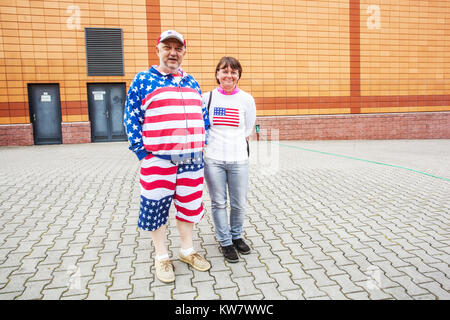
[{"x": 231, "y": 62}]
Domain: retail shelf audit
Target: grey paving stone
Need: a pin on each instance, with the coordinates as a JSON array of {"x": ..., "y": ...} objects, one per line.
[
  {"x": 411, "y": 287},
  {"x": 185, "y": 296},
  {"x": 106, "y": 259},
  {"x": 120, "y": 294},
  {"x": 339, "y": 258},
  {"x": 16, "y": 282},
  {"x": 293, "y": 294},
  {"x": 9, "y": 295},
  {"x": 425, "y": 297},
  {"x": 258, "y": 296},
  {"x": 319, "y": 275},
  {"x": 334, "y": 292},
  {"x": 257, "y": 241},
  {"x": 436, "y": 289},
  {"x": 440, "y": 278},
  {"x": 304, "y": 241},
  {"x": 368, "y": 216},
  {"x": 246, "y": 286},
  {"x": 205, "y": 291},
  {"x": 102, "y": 275},
  {"x": 343, "y": 280},
  {"x": 264, "y": 252},
  {"x": 309, "y": 288},
  {"x": 121, "y": 281},
  {"x": 53, "y": 294},
  {"x": 44, "y": 272},
  {"x": 77, "y": 284},
  {"x": 14, "y": 259},
  {"x": 33, "y": 290},
  {"x": 141, "y": 289},
  {"x": 416, "y": 276},
  {"x": 123, "y": 265},
  {"x": 307, "y": 262},
  {"x": 261, "y": 275},
  {"x": 237, "y": 270},
  {"x": 212, "y": 251},
  {"x": 269, "y": 291},
  {"x": 274, "y": 266},
  {"x": 228, "y": 293},
  {"x": 252, "y": 260},
  {"x": 183, "y": 284},
  {"x": 223, "y": 280},
  {"x": 284, "y": 281},
  {"x": 399, "y": 293},
  {"x": 24, "y": 247},
  {"x": 5, "y": 273},
  {"x": 162, "y": 291},
  {"x": 317, "y": 254},
  {"x": 331, "y": 268},
  {"x": 358, "y": 295},
  {"x": 285, "y": 257}
]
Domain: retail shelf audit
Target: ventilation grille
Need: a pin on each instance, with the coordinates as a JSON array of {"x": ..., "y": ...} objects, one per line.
[{"x": 104, "y": 51}]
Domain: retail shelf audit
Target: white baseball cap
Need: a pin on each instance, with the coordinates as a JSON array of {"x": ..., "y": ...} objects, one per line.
[{"x": 171, "y": 34}]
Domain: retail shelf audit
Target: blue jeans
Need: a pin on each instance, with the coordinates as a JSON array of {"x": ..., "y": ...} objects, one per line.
[{"x": 219, "y": 174}]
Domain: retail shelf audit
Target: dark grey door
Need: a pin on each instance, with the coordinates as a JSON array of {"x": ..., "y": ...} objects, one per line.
[
  {"x": 106, "y": 103},
  {"x": 45, "y": 113}
]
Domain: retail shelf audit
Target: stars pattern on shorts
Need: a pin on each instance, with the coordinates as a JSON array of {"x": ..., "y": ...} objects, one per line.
[
  {"x": 189, "y": 167},
  {"x": 153, "y": 213}
]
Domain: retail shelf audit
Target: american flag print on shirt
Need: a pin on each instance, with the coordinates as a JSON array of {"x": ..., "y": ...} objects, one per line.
[
  {"x": 164, "y": 116},
  {"x": 226, "y": 117}
]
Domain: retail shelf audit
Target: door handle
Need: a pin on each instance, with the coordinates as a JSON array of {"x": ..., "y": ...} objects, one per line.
[
  {"x": 107, "y": 114},
  {"x": 34, "y": 117}
]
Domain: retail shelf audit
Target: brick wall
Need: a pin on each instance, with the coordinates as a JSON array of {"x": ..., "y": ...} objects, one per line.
[
  {"x": 76, "y": 132},
  {"x": 430, "y": 125},
  {"x": 16, "y": 135}
]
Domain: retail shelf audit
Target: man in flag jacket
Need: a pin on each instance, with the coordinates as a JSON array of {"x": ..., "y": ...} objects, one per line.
[{"x": 165, "y": 124}]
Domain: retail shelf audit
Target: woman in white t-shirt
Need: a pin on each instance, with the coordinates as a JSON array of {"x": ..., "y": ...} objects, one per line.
[{"x": 232, "y": 115}]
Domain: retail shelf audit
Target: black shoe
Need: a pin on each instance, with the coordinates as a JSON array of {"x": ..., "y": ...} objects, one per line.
[
  {"x": 230, "y": 253},
  {"x": 241, "y": 246}
]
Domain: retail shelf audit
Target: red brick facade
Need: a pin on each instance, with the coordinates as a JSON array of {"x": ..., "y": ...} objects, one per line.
[
  {"x": 22, "y": 134},
  {"x": 430, "y": 125},
  {"x": 421, "y": 125},
  {"x": 76, "y": 132},
  {"x": 16, "y": 135}
]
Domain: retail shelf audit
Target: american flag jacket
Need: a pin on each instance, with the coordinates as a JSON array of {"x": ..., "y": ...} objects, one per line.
[{"x": 165, "y": 117}]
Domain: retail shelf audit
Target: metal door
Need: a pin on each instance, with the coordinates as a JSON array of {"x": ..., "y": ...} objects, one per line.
[
  {"x": 106, "y": 104},
  {"x": 45, "y": 113}
]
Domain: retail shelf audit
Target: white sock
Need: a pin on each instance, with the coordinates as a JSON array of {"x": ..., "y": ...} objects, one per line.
[
  {"x": 187, "y": 252},
  {"x": 164, "y": 256}
]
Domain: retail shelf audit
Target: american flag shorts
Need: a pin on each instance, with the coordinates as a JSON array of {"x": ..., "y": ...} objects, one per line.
[{"x": 161, "y": 181}]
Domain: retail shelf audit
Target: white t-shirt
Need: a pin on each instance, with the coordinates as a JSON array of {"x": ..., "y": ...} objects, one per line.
[{"x": 232, "y": 117}]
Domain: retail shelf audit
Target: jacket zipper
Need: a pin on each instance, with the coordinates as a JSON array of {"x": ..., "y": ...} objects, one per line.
[{"x": 185, "y": 114}]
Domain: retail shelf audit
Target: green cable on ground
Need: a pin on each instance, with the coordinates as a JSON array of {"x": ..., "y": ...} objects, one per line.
[{"x": 369, "y": 161}]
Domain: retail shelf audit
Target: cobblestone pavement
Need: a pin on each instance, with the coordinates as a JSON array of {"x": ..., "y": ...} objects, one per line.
[{"x": 323, "y": 221}]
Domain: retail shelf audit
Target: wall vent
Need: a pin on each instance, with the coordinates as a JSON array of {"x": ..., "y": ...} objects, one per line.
[{"x": 104, "y": 51}]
